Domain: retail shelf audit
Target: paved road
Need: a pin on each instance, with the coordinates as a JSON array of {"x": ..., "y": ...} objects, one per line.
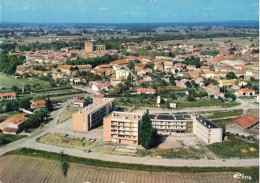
[{"x": 30, "y": 142}]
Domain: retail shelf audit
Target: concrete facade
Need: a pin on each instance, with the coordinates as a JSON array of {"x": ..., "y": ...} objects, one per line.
[
  {"x": 206, "y": 130},
  {"x": 122, "y": 127},
  {"x": 92, "y": 115}
]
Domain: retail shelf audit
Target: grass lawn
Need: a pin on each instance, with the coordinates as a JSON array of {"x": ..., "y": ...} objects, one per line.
[
  {"x": 251, "y": 171},
  {"x": 235, "y": 148},
  {"x": 203, "y": 103},
  {"x": 6, "y": 138},
  {"x": 9, "y": 81},
  {"x": 223, "y": 114}
]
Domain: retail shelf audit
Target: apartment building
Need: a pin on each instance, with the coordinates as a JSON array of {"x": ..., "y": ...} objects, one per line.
[
  {"x": 92, "y": 115},
  {"x": 206, "y": 130},
  {"x": 122, "y": 127},
  {"x": 170, "y": 124}
]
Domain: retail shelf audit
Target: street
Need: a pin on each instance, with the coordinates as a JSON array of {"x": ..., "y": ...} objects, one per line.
[{"x": 30, "y": 142}]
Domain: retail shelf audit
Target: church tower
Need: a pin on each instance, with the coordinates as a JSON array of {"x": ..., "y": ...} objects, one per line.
[{"x": 89, "y": 46}]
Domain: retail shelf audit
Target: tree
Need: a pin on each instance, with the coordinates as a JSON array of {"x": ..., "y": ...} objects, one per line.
[
  {"x": 191, "y": 97},
  {"x": 231, "y": 75},
  {"x": 65, "y": 167},
  {"x": 130, "y": 65},
  {"x": 146, "y": 131},
  {"x": 49, "y": 106},
  {"x": 15, "y": 88}
]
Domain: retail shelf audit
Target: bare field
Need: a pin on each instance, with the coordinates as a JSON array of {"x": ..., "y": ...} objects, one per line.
[
  {"x": 56, "y": 139},
  {"x": 67, "y": 114},
  {"x": 21, "y": 169}
]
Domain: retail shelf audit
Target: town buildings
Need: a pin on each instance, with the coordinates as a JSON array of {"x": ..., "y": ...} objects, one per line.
[{"x": 92, "y": 115}]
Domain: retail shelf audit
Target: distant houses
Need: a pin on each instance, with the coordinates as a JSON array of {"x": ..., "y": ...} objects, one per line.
[{"x": 7, "y": 96}]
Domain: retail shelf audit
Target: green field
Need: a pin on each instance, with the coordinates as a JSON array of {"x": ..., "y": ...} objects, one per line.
[
  {"x": 235, "y": 148},
  {"x": 225, "y": 114},
  {"x": 203, "y": 103},
  {"x": 9, "y": 81}
]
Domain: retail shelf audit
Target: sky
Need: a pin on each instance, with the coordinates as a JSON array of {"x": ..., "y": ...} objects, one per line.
[{"x": 127, "y": 11}]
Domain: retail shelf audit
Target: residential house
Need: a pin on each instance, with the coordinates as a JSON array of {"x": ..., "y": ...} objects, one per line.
[
  {"x": 122, "y": 74},
  {"x": 38, "y": 104},
  {"x": 247, "y": 125},
  {"x": 181, "y": 83},
  {"x": 115, "y": 82},
  {"x": 100, "y": 86},
  {"x": 146, "y": 79},
  {"x": 146, "y": 91},
  {"x": 13, "y": 124},
  {"x": 244, "y": 92},
  {"x": 213, "y": 90},
  {"x": 7, "y": 96}
]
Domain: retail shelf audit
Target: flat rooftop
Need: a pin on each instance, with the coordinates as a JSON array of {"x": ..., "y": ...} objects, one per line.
[
  {"x": 170, "y": 117},
  {"x": 207, "y": 123},
  {"x": 97, "y": 103},
  {"x": 134, "y": 117}
]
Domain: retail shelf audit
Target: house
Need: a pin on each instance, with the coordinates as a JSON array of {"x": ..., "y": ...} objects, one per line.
[
  {"x": 13, "y": 124},
  {"x": 115, "y": 82},
  {"x": 242, "y": 83},
  {"x": 100, "y": 86},
  {"x": 195, "y": 73},
  {"x": 141, "y": 73},
  {"x": 220, "y": 74},
  {"x": 80, "y": 103},
  {"x": 122, "y": 74},
  {"x": 146, "y": 91},
  {"x": 181, "y": 83},
  {"x": 209, "y": 74},
  {"x": 247, "y": 125},
  {"x": 205, "y": 68},
  {"x": 244, "y": 92},
  {"x": 191, "y": 67},
  {"x": 7, "y": 96},
  {"x": 226, "y": 83},
  {"x": 146, "y": 79},
  {"x": 38, "y": 104},
  {"x": 213, "y": 90}
]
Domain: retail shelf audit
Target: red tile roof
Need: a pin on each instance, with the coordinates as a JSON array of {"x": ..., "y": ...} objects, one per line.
[
  {"x": 99, "y": 96},
  {"x": 79, "y": 101},
  {"x": 7, "y": 94},
  {"x": 38, "y": 104},
  {"x": 17, "y": 118},
  {"x": 246, "y": 121},
  {"x": 244, "y": 90},
  {"x": 120, "y": 62},
  {"x": 100, "y": 85}
]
